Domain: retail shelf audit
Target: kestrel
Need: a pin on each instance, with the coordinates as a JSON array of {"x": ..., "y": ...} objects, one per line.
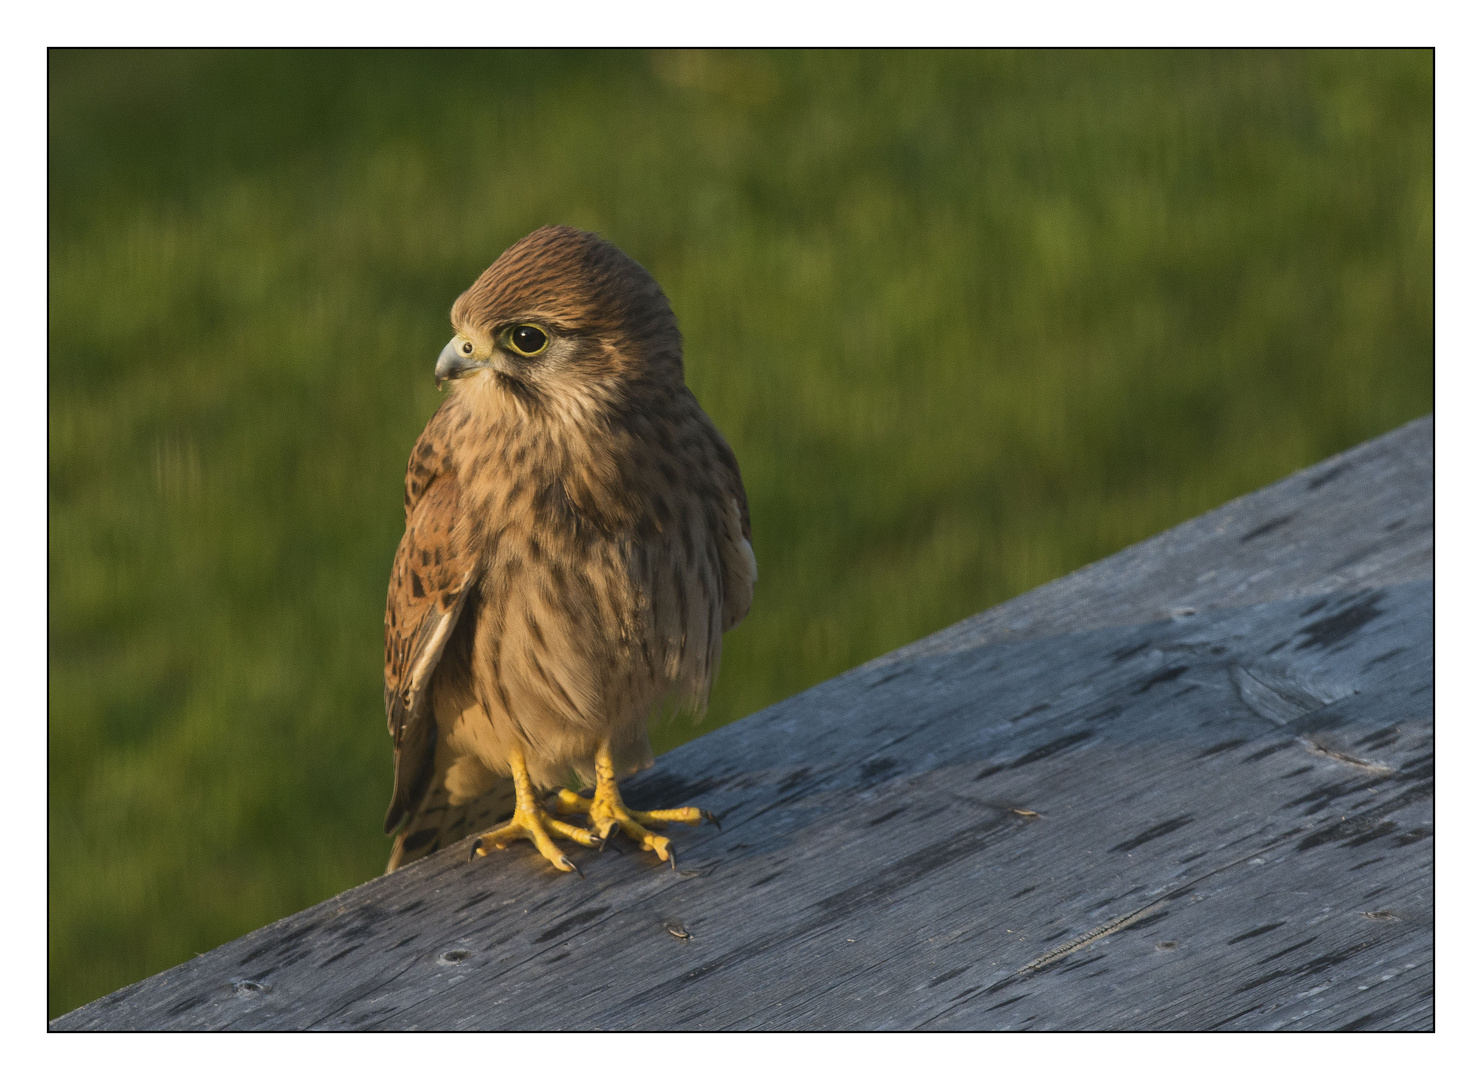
[{"x": 577, "y": 541}]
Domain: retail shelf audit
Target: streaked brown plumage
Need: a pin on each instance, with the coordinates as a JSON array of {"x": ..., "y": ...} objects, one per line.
[{"x": 577, "y": 540}]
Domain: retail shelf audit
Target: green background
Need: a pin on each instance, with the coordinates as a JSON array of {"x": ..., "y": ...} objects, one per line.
[{"x": 969, "y": 319}]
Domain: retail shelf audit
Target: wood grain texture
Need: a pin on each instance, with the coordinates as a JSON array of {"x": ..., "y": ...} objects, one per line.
[{"x": 1188, "y": 787}]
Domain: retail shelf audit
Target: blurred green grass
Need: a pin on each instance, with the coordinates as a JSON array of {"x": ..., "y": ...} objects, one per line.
[{"x": 970, "y": 320}]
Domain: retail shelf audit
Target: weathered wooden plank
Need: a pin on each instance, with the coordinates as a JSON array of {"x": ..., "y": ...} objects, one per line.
[{"x": 1188, "y": 787}]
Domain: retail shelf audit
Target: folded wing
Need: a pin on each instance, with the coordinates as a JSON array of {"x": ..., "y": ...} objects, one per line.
[{"x": 431, "y": 580}]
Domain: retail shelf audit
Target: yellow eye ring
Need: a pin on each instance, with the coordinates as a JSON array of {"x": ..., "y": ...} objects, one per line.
[{"x": 527, "y": 339}]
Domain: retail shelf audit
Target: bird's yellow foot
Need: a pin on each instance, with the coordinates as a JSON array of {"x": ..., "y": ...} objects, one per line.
[
  {"x": 532, "y": 823},
  {"x": 607, "y": 811}
]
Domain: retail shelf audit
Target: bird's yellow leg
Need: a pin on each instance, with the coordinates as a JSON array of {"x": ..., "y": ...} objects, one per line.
[
  {"x": 532, "y": 823},
  {"x": 607, "y": 810}
]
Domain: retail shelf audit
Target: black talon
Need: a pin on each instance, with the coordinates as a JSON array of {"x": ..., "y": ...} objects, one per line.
[
  {"x": 474, "y": 852},
  {"x": 708, "y": 816},
  {"x": 572, "y": 866}
]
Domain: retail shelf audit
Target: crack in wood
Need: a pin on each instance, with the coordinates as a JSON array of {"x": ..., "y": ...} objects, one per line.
[
  {"x": 1091, "y": 937},
  {"x": 1375, "y": 768}
]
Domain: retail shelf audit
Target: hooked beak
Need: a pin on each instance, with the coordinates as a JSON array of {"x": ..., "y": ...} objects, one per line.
[{"x": 452, "y": 364}]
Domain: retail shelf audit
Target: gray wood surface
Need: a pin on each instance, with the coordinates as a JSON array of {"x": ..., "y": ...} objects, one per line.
[{"x": 1187, "y": 787}]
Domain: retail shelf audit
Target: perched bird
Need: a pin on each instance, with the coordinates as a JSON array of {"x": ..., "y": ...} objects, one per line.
[{"x": 577, "y": 540}]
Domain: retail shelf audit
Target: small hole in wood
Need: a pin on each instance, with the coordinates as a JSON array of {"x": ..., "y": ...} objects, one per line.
[
  {"x": 453, "y": 956},
  {"x": 1165, "y": 946}
]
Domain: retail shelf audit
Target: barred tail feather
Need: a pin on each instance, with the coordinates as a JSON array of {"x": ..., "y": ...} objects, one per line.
[{"x": 438, "y": 823}]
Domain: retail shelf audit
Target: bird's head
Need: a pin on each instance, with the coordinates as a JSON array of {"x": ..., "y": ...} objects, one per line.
[{"x": 563, "y": 319}]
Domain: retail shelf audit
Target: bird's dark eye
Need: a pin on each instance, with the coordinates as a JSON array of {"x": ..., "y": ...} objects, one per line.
[
  {"x": 467, "y": 348},
  {"x": 528, "y": 340}
]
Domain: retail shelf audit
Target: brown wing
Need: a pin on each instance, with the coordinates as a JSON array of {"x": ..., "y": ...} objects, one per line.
[
  {"x": 736, "y": 554},
  {"x": 431, "y": 579}
]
